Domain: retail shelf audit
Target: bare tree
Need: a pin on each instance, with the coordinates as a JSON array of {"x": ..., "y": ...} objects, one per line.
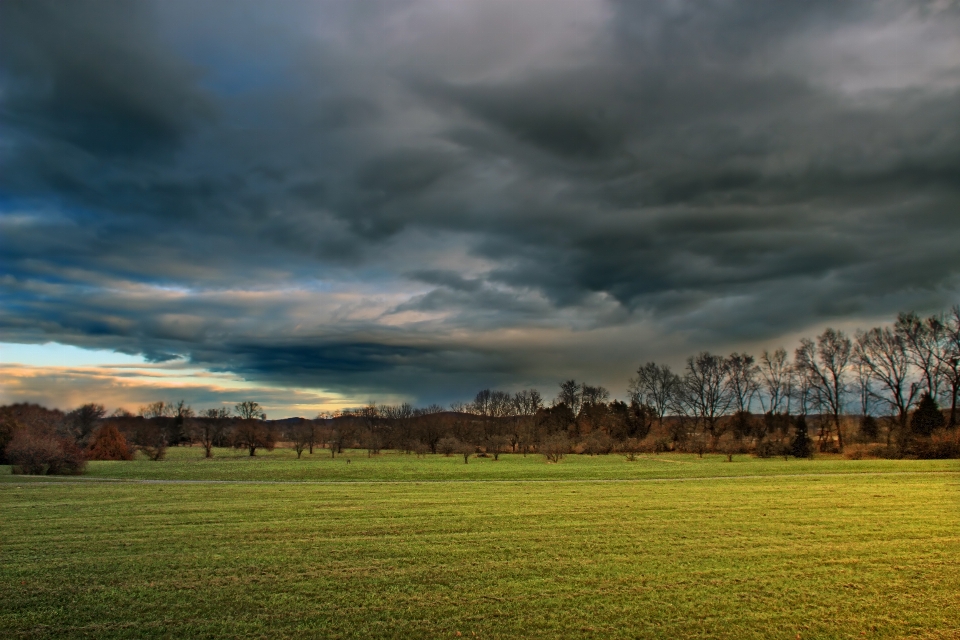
[
  {"x": 83, "y": 421},
  {"x": 250, "y": 410},
  {"x": 775, "y": 372},
  {"x": 950, "y": 359},
  {"x": 498, "y": 444},
  {"x": 884, "y": 354},
  {"x": 300, "y": 436},
  {"x": 158, "y": 409},
  {"x": 742, "y": 375},
  {"x": 655, "y": 386},
  {"x": 481, "y": 403},
  {"x": 824, "y": 366},
  {"x": 707, "y": 392},
  {"x": 182, "y": 413},
  {"x": 865, "y": 394},
  {"x": 570, "y": 395},
  {"x": 466, "y": 449},
  {"x": 208, "y": 429},
  {"x": 526, "y": 404},
  {"x": 590, "y": 395},
  {"x": 252, "y": 435},
  {"x": 501, "y": 404},
  {"x": 447, "y": 445},
  {"x": 555, "y": 446},
  {"x": 334, "y": 440},
  {"x": 925, "y": 345}
]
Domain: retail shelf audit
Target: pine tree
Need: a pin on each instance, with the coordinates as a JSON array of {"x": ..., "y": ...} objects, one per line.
[
  {"x": 927, "y": 418},
  {"x": 109, "y": 444},
  {"x": 802, "y": 446}
]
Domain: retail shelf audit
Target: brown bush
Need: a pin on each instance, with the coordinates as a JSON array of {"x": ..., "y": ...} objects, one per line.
[
  {"x": 886, "y": 452},
  {"x": 8, "y": 427},
  {"x": 856, "y": 452},
  {"x": 39, "y": 454},
  {"x": 109, "y": 444},
  {"x": 939, "y": 446},
  {"x": 554, "y": 447}
]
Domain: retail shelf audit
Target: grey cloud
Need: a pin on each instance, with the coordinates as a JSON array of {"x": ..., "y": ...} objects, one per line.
[{"x": 677, "y": 167}]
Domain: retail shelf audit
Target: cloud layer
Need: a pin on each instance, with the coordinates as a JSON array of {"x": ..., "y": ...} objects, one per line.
[{"x": 421, "y": 198}]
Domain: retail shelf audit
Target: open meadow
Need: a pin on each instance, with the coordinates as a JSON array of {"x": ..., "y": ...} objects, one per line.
[{"x": 669, "y": 546}]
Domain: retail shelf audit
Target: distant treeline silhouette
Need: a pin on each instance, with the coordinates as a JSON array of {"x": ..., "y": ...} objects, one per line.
[{"x": 877, "y": 393}]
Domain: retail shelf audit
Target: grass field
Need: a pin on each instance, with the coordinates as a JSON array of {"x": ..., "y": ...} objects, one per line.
[{"x": 395, "y": 546}]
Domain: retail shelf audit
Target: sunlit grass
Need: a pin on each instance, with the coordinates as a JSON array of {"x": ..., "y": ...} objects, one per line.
[
  {"x": 831, "y": 554},
  {"x": 188, "y": 463}
]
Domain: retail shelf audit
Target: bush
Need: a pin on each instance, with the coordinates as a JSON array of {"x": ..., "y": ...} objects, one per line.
[
  {"x": 555, "y": 447},
  {"x": 885, "y": 452},
  {"x": 802, "y": 446},
  {"x": 39, "y": 454},
  {"x": 927, "y": 418},
  {"x": 447, "y": 445},
  {"x": 939, "y": 446},
  {"x": 8, "y": 427},
  {"x": 662, "y": 445},
  {"x": 598, "y": 442},
  {"x": 771, "y": 449},
  {"x": 869, "y": 428},
  {"x": 630, "y": 448},
  {"x": 856, "y": 452},
  {"x": 109, "y": 444}
]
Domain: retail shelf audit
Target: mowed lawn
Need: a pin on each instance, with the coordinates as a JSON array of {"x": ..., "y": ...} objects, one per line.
[
  {"x": 281, "y": 464},
  {"x": 818, "y": 549}
]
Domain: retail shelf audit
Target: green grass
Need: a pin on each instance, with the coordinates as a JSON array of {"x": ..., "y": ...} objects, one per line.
[
  {"x": 815, "y": 548},
  {"x": 188, "y": 463}
]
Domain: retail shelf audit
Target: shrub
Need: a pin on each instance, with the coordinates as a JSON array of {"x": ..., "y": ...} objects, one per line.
[
  {"x": 801, "y": 446},
  {"x": 447, "y": 445},
  {"x": 466, "y": 449},
  {"x": 939, "y": 446},
  {"x": 598, "y": 442},
  {"x": 662, "y": 445},
  {"x": 927, "y": 418},
  {"x": 630, "y": 448},
  {"x": 8, "y": 427},
  {"x": 731, "y": 446},
  {"x": 555, "y": 447},
  {"x": 109, "y": 444},
  {"x": 39, "y": 454},
  {"x": 771, "y": 449},
  {"x": 856, "y": 452},
  {"x": 883, "y": 451},
  {"x": 869, "y": 428}
]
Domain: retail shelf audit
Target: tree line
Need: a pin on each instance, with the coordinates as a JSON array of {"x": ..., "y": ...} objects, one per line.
[{"x": 877, "y": 392}]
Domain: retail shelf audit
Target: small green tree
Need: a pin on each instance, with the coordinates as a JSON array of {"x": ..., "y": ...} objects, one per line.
[
  {"x": 869, "y": 428},
  {"x": 801, "y": 446},
  {"x": 927, "y": 418}
]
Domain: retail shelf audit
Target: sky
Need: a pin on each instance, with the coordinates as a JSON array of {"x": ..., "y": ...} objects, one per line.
[{"x": 317, "y": 205}]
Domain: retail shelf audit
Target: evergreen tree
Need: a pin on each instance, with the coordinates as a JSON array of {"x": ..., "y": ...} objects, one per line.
[
  {"x": 927, "y": 418},
  {"x": 802, "y": 446},
  {"x": 869, "y": 428}
]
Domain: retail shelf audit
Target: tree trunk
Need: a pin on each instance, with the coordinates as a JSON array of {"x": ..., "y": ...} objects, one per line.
[
  {"x": 836, "y": 419},
  {"x": 953, "y": 406}
]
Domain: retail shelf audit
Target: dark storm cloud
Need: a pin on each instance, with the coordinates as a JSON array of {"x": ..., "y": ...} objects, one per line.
[{"x": 429, "y": 179}]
